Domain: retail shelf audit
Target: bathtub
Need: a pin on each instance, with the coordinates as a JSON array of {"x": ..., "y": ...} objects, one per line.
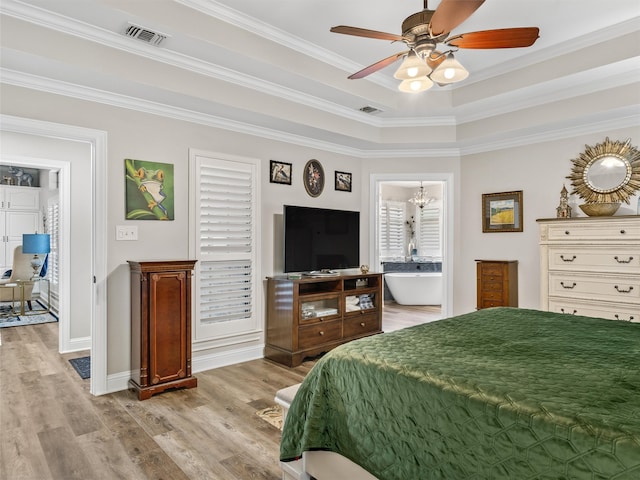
[{"x": 415, "y": 288}]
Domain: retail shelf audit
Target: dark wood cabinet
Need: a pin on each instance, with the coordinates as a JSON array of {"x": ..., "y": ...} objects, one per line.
[
  {"x": 497, "y": 283},
  {"x": 160, "y": 326},
  {"x": 312, "y": 315}
]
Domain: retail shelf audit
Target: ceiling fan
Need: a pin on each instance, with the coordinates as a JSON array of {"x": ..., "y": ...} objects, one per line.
[{"x": 423, "y": 31}]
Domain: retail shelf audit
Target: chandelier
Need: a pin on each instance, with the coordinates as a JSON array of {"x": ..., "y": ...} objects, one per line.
[{"x": 420, "y": 198}]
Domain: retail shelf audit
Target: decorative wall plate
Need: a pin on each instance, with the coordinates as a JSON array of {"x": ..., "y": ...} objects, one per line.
[{"x": 313, "y": 177}]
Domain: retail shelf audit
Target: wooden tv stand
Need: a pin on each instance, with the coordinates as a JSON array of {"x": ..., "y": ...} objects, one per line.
[{"x": 312, "y": 315}]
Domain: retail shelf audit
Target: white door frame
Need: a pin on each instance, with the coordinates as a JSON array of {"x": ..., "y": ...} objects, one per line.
[
  {"x": 447, "y": 205},
  {"x": 98, "y": 142}
]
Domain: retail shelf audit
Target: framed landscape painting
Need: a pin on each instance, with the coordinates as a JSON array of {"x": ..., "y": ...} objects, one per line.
[{"x": 502, "y": 212}]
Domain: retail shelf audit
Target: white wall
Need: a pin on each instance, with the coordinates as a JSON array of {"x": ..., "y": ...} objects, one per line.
[{"x": 539, "y": 171}]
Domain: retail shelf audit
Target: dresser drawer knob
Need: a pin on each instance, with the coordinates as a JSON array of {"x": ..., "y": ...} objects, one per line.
[
  {"x": 618, "y": 318},
  {"x": 566, "y": 232},
  {"x": 569, "y": 287},
  {"x": 572, "y": 313},
  {"x": 362, "y": 324},
  {"x": 569, "y": 259},
  {"x": 622, "y": 261},
  {"x": 622, "y": 290},
  {"x": 622, "y": 232},
  {"x": 321, "y": 333}
]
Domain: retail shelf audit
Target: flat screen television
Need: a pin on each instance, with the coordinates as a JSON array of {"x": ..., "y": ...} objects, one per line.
[{"x": 318, "y": 239}]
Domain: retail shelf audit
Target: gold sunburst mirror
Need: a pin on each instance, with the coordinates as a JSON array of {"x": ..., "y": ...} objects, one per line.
[{"x": 607, "y": 173}]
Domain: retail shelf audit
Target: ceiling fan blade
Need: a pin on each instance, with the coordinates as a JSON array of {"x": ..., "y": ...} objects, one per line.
[
  {"x": 363, "y": 32},
  {"x": 435, "y": 59},
  {"x": 377, "y": 66},
  {"x": 451, "y": 13},
  {"x": 501, "y": 38}
]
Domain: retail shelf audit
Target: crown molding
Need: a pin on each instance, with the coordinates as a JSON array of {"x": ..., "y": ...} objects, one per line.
[
  {"x": 112, "y": 39},
  {"x": 625, "y": 117},
  {"x": 34, "y": 82},
  {"x": 569, "y": 46},
  {"x": 276, "y": 35},
  {"x": 606, "y": 77},
  {"x": 614, "y": 119}
]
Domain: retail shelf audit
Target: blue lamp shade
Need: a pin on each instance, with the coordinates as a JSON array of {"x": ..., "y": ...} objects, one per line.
[{"x": 36, "y": 243}]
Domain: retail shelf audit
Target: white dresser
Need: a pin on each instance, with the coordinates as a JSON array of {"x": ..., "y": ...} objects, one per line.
[{"x": 591, "y": 266}]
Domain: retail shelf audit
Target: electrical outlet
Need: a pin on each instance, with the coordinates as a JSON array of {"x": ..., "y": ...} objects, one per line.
[{"x": 125, "y": 232}]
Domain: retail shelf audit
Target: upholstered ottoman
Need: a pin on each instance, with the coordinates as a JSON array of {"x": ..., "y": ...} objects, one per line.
[{"x": 290, "y": 470}]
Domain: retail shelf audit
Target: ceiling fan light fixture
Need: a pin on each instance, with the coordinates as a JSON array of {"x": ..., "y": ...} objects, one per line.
[
  {"x": 415, "y": 85},
  {"x": 412, "y": 67},
  {"x": 449, "y": 71}
]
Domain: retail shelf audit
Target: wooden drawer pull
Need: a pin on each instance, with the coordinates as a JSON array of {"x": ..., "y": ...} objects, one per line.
[
  {"x": 569, "y": 259},
  {"x": 569, "y": 287},
  {"x": 622, "y": 290},
  {"x": 622, "y": 261},
  {"x": 572, "y": 313},
  {"x": 618, "y": 318}
]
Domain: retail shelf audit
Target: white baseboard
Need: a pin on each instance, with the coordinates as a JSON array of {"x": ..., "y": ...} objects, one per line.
[
  {"x": 117, "y": 382},
  {"x": 76, "y": 345}
]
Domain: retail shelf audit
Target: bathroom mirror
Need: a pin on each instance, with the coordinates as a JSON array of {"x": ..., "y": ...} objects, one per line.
[{"x": 608, "y": 172}]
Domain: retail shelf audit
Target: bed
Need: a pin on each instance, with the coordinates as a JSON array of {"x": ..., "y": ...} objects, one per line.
[{"x": 501, "y": 393}]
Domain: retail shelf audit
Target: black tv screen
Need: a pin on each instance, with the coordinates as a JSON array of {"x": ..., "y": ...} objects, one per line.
[{"x": 320, "y": 238}]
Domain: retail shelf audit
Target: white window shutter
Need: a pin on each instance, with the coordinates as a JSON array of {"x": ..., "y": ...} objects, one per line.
[
  {"x": 430, "y": 237},
  {"x": 392, "y": 229},
  {"x": 225, "y": 222}
]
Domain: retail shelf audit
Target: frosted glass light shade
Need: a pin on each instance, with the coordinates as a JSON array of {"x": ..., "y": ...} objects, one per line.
[
  {"x": 415, "y": 85},
  {"x": 412, "y": 67},
  {"x": 449, "y": 71}
]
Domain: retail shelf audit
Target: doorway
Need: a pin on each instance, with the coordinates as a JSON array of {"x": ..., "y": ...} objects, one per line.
[
  {"x": 31, "y": 142},
  {"x": 410, "y": 183}
]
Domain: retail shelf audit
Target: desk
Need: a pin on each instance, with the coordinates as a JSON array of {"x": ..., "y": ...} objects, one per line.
[
  {"x": 12, "y": 311},
  {"x": 34, "y": 281}
]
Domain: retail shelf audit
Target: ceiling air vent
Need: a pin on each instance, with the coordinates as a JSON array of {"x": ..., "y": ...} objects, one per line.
[
  {"x": 370, "y": 109},
  {"x": 145, "y": 35}
]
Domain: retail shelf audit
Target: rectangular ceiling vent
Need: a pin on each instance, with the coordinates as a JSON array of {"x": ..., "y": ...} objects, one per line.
[
  {"x": 370, "y": 109},
  {"x": 145, "y": 35}
]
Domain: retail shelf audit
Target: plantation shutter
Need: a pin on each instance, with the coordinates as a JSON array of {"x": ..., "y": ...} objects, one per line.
[
  {"x": 226, "y": 243},
  {"x": 392, "y": 228},
  {"x": 53, "y": 265},
  {"x": 430, "y": 231}
]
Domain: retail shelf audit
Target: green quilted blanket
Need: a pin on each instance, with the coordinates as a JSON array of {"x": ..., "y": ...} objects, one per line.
[{"x": 500, "y": 393}]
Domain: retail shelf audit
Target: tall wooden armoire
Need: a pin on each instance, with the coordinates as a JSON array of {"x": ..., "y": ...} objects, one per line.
[{"x": 160, "y": 326}]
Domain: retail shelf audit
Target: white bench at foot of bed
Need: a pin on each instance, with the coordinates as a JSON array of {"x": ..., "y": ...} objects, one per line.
[{"x": 319, "y": 465}]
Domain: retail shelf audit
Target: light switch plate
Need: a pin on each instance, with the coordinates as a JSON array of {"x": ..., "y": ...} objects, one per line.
[{"x": 126, "y": 232}]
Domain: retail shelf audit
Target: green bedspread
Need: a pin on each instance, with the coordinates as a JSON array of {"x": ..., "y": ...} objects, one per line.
[{"x": 500, "y": 393}]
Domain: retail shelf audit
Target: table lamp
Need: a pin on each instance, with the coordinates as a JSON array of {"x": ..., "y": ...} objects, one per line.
[{"x": 38, "y": 244}]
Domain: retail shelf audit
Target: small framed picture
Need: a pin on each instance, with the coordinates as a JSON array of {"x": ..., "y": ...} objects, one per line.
[
  {"x": 343, "y": 181},
  {"x": 502, "y": 212},
  {"x": 280, "y": 172}
]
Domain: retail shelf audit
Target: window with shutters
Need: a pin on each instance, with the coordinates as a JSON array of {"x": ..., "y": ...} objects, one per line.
[
  {"x": 430, "y": 231},
  {"x": 392, "y": 229},
  {"x": 224, "y": 200},
  {"x": 53, "y": 266}
]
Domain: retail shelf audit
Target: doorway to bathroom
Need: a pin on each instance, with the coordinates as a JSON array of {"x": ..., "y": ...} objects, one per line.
[{"x": 412, "y": 243}]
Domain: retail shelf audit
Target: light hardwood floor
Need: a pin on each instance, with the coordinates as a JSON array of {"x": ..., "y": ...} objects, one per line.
[{"x": 52, "y": 428}]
